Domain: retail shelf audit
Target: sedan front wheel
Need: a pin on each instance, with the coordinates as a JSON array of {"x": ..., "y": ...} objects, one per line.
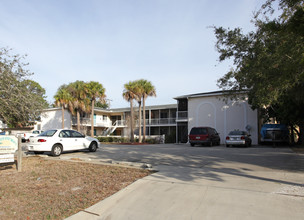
[{"x": 93, "y": 147}]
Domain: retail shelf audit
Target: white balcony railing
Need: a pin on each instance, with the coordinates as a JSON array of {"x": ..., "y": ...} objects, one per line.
[
  {"x": 158, "y": 121},
  {"x": 99, "y": 123},
  {"x": 163, "y": 121},
  {"x": 182, "y": 115},
  {"x": 122, "y": 123}
]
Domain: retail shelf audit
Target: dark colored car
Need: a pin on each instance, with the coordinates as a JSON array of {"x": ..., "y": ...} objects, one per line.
[
  {"x": 237, "y": 137},
  {"x": 204, "y": 136}
]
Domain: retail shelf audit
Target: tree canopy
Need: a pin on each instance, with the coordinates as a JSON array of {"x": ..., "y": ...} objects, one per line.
[
  {"x": 129, "y": 94},
  {"x": 80, "y": 97},
  {"x": 147, "y": 89},
  {"x": 268, "y": 62},
  {"x": 96, "y": 92},
  {"x": 21, "y": 99},
  {"x": 138, "y": 90}
]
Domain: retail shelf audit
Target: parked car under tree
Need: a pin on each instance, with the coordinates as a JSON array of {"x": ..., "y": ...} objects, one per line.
[{"x": 60, "y": 140}]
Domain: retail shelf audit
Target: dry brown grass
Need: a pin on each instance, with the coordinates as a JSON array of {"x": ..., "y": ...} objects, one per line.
[{"x": 53, "y": 189}]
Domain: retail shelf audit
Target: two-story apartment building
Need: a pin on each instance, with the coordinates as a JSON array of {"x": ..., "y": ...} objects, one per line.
[
  {"x": 212, "y": 110},
  {"x": 160, "y": 119},
  {"x": 201, "y": 109}
]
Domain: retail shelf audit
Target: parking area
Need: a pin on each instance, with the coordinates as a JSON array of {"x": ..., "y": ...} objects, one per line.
[
  {"x": 260, "y": 182},
  {"x": 182, "y": 155}
]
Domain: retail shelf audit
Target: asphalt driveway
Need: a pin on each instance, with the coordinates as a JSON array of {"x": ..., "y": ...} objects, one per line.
[
  {"x": 260, "y": 182},
  {"x": 182, "y": 155}
]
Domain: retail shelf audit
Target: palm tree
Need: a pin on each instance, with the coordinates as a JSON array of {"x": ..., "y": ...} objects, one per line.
[
  {"x": 63, "y": 99},
  {"x": 79, "y": 101},
  {"x": 144, "y": 89},
  {"x": 148, "y": 90},
  {"x": 138, "y": 91},
  {"x": 95, "y": 91},
  {"x": 129, "y": 95}
]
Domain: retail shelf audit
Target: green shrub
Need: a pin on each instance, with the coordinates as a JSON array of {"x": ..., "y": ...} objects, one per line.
[
  {"x": 150, "y": 140},
  {"x": 103, "y": 139},
  {"x": 113, "y": 139}
]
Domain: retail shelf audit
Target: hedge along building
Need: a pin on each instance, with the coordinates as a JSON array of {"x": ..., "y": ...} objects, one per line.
[{"x": 211, "y": 110}]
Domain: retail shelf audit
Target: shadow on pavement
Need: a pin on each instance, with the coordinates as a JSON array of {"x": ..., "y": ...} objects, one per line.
[{"x": 206, "y": 162}]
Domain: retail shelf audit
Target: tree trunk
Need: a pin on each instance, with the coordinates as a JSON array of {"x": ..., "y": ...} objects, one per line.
[
  {"x": 92, "y": 118},
  {"x": 139, "y": 122},
  {"x": 78, "y": 121},
  {"x": 292, "y": 134},
  {"x": 132, "y": 120},
  {"x": 301, "y": 136},
  {"x": 62, "y": 117},
  {"x": 144, "y": 120}
]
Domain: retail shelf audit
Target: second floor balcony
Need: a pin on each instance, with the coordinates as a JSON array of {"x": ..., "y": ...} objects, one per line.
[
  {"x": 161, "y": 121},
  {"x": 99, "y": 123},
  {"x": 182, "y": 116},
  {"x": 124, "y": 123},
  {"x": 158, "y": 121}
]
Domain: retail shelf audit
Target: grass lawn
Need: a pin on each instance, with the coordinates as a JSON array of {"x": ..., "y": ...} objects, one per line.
[{"x": 54, "y": 189}]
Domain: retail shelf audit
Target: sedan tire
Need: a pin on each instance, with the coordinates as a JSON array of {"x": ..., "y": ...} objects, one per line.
[
  {"x": 93, "y": 147},
  {"x": 56, "y": 150}
]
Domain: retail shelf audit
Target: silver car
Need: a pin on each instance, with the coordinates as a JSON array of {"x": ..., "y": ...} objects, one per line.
[{"x": 237, "y": 137}]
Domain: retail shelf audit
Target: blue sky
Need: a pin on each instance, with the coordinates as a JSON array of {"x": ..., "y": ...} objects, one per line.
[{"x": 167, "y": 42}]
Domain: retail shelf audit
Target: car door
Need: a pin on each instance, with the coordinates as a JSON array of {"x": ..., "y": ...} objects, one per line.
[
  {"x": 80, "y": 140},
  {"x": 66, "y": 140}
]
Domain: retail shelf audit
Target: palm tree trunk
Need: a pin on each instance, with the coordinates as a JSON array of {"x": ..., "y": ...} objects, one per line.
[
  {"x": 139, "y": 122},
  {"x": 62, "y": 117},
  {"x": 78, "y": 121},
  {"x": 132, "y": 121},
  {"x": 92, "y": 118},
  {"x": 144, "y": 120}
]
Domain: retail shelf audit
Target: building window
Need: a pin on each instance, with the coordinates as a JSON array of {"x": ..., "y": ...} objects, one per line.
[
  {"x": 155, "y": 114},
  {"x": 164, "y": 113},
  {"x": 173, "y": 113},
  {"x": 182, "y": 105}
]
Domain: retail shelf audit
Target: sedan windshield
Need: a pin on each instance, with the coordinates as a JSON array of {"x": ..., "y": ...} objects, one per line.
[{"x": 48, "y": 133}]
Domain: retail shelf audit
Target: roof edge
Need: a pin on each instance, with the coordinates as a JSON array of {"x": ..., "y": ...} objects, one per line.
[{"x": 214, "y": 93}]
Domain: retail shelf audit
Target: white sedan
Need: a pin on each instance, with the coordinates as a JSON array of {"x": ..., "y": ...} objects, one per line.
[{"x": 59, "y": 140}]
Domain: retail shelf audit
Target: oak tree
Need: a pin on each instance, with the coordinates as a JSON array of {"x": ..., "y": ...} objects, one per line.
[{"x": 268, "y": 62}]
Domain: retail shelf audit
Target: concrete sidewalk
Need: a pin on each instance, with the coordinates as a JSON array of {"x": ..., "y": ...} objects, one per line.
[{"x": 206, "y": 193}]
